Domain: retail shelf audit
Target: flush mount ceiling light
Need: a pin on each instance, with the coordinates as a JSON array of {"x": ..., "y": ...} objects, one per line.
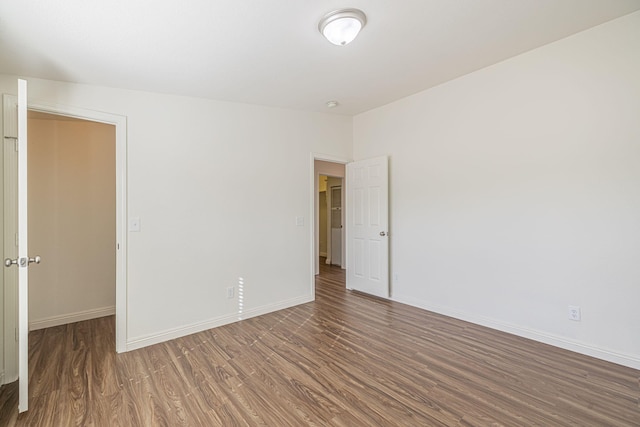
[{"x": 341, "y": 26}]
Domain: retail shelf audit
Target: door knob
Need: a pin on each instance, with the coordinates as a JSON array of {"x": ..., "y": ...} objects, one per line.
[
  {"x": 8, "y": 262},
  {"x": 382, "y": 233}
]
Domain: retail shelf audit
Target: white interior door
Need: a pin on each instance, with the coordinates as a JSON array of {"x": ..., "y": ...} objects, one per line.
[
  {"x": 23, "y": 254},
  {"x": 367, "y": 226},
  {"x": 335, "y": 215},
  {"x": 23, "y": 260},
  {"x": 10, "y": 245}
]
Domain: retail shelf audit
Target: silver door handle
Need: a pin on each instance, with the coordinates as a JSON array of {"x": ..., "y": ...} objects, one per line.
[
  {"x": 382, "y": 233},
  {"x": 8, "y": 262}
]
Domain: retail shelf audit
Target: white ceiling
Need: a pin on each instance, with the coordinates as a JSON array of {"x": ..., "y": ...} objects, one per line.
[{"x": 270, "y": 52}]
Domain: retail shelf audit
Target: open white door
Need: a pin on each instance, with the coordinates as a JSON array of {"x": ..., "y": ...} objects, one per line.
[
  {"x": 23, "y": 260},
  {"x": 367, "y": 226}
]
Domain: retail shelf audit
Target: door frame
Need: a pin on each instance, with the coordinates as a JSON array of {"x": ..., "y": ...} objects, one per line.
[
  {"x": 120, "y": 123},
  {"x": 314, "y": 202}
]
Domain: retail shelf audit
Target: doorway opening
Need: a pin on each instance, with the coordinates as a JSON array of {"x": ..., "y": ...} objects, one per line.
[
  {"x": 329, "y": 234},
  {"x": 72, "y": 219},
  {"x": 120, "y": 249},
  {"x": 118, "y": 243},
  {"x": 366, "y": 228},
  {"x": 330, "y": 220}
]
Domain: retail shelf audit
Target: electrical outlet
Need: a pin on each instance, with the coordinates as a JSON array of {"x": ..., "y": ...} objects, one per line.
[
  {"x": 574, "y": 313},
  {"x": 231, "y": 292}
]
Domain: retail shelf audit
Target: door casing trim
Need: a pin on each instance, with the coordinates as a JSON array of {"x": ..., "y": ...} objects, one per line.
[{"x": 120, "y": 123}]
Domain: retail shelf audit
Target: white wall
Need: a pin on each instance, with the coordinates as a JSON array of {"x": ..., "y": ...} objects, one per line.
[
  {"x": 515, "y": 192},
  {"x": 196, "y": 169},
  {"x": 72, "y": 220}
]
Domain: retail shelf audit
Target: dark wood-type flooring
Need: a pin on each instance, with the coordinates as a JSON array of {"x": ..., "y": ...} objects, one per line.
[{"x": 344, "y": 360}]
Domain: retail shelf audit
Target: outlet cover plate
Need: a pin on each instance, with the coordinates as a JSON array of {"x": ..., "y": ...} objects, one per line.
[{"x": 574, "y": 313}]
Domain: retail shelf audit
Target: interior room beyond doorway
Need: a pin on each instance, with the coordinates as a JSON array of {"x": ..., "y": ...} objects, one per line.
[
  {"x": 330, "y": 237},
  {"x": 330, "y": 215},
  {"x": 72, "y": 219}
]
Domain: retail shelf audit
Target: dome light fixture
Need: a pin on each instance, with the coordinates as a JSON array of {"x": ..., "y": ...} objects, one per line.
[{"x": 341, "y": 26}]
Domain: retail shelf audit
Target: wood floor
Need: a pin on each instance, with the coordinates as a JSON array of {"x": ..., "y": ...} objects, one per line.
[{"x": 344, "y": 360}]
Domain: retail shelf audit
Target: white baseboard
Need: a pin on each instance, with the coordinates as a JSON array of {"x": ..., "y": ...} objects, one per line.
[
  {"x": 139, "y": 342},
  {"x": 543, "y": 337},
  {"x": 79, "y": 316},
  {"x": 1, "y": 378}
]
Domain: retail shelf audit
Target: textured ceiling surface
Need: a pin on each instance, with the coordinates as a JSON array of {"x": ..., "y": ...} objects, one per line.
[{"x": 271, "y": 53}]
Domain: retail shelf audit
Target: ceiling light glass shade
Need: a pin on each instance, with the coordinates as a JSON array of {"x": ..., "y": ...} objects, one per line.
[{"x": 340, "y": 27}]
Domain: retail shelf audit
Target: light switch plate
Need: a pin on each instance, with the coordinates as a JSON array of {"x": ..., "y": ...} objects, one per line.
[{"x": 134, "y": 224}]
